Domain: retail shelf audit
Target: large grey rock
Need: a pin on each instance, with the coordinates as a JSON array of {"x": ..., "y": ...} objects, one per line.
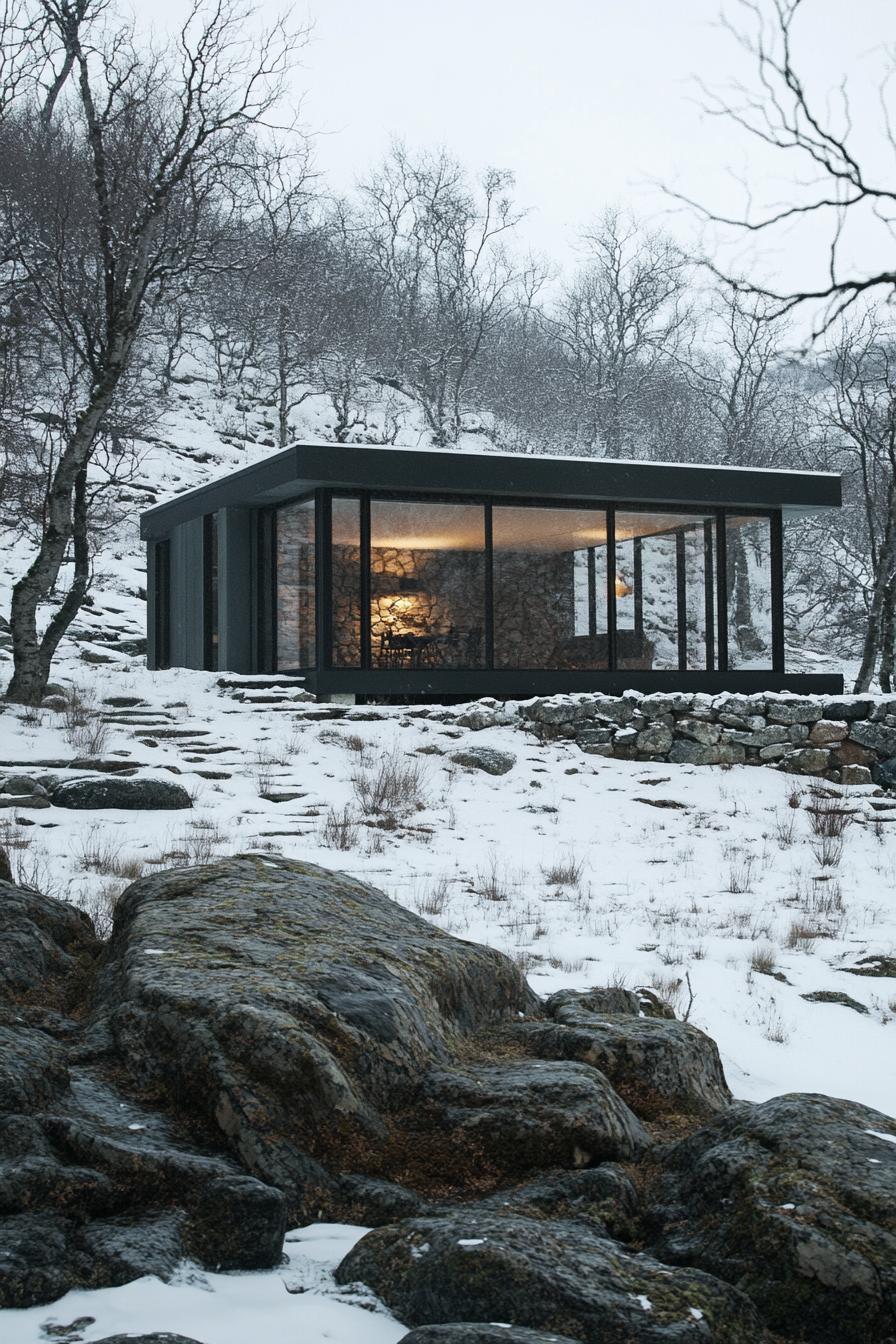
[
  {"x": 795, "y": 1201},
  {"x": 130, "y": 794},
  {"x": 605, "y": 1197},
  {"x": 41, "y": 941},
  {"x": 656, "y": 1065},
  {"x": 556, "y": 1276},
  {"x": 535, "y": 1114},
  {"x": 243, "y": 985},
  {"x": 488, "y": 759}
]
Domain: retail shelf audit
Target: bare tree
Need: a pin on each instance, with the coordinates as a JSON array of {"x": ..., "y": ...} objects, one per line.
[
  {"x": 834, "y": 182},
  {"x": 435, "y": 242},
  {"x": 619, "y": 319},
  {"x": 132, "y": 180},
  {"x": 858, "y": 418}
]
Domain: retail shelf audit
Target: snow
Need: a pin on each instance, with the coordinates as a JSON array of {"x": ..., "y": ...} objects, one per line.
[
  {"x": 300, "y": 1303},
  {"x": 681, "y": 899},
  {"x": 888, "y": 1138}
]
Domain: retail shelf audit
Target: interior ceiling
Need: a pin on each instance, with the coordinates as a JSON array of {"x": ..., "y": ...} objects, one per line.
[{"x": 398, "y": 525}]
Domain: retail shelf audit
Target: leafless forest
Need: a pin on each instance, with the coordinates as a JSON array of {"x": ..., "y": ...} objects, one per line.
[{"x": 158, "y": 200}]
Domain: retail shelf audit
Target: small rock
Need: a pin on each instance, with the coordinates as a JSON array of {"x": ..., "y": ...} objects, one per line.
[
  {"x": 826, "y": 732},
  {"x": 884, "y": 967},
  {"x": 855, "y": 774},
  {"x": 834, "y": 996},
  {"x": 488, "y": 759}
]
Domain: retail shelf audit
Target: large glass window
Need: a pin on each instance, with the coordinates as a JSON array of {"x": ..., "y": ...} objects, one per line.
[
  {"x": 346, "y": 582},
  {"x": 296, "y": 606},
  {"x": 748, "y": 567},
  {"x": 664, "y": 591},
  {"x": 550, "y": 587},
  {"x": 427, "y": 584}
]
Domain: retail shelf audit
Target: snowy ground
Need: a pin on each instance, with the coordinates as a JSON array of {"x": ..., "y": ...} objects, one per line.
[
  {"x": 587, "y": 870},
  {"x": 296, "y": 1304},
  {"x": 718, "y": 897},
  {"x": 702, "y": 882}
]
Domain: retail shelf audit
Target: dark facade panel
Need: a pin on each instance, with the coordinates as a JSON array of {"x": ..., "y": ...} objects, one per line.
[{"x": 307, "y": 467}]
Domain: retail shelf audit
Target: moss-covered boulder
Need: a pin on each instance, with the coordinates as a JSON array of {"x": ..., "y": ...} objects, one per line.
[
  {"x": 795, "y": 1201},
  {"x": 548, "y": 1276},
  {"x": 295, "y": 1010}
]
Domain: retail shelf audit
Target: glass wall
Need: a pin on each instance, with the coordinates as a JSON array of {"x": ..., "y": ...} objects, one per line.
[
  {"x": 427, "y": 584},
  {"x": 346, "y": 582},
  {"x": 748, "y": 575},
  {"x": 550, "y": 587},
  {"x": 295, "y": 586},
  {"x": 665, "y": 591}
]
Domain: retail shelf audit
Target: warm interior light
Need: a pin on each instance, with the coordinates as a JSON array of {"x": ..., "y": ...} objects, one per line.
[{"x": 622, "y": 588}]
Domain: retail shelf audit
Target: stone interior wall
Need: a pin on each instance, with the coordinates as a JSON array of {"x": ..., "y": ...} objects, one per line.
[
  {"x": 450, "y": 596},
  {"x": 847, "y": 739},
  {"x": 534, "y": 606},
  {"x": 295, "y": 588}
]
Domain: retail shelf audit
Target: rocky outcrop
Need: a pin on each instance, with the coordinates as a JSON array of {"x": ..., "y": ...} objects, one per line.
[
  {"x": 95, "y": 1188},
  {"x": 557, "y": 1276},
  {"x": 795, "y": 1201},
  {"x": 265, "y": 1042},
  {"x": 252, "y": 982}
]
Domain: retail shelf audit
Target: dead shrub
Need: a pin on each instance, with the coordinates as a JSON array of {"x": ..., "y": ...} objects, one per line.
[
  {"x": 394, "y": 788},
  {"x": 339, "y": 829}
]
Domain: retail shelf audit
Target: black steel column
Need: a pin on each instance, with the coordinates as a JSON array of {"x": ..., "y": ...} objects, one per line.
[
  {"x": 489, "y": 623},
  {"x": 611, "y": 589},
  {"x": 722, "y": 589},
  {"x": 323, "y": 580},
  {"x": 592, "y": 593},
  {"x": 777, "y": 594},
  {"x": 708, "y": 595},
  {"x": 681, "y": 600},
  {"x": 365, "y": 578}
]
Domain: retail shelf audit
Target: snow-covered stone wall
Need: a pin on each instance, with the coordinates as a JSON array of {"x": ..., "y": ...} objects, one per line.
[{"x": 849, "y": 740}]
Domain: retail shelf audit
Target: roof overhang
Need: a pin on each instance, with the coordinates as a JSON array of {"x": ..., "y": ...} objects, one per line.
[{"x": 307, "y": 466}]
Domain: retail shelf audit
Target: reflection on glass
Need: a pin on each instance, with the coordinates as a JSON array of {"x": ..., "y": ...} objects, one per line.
[
  {"x": 427, "y": 584},
  {"x": 665, "y": 591},
  {"x": 296, "y": 643},
  {"x": 346, "y": 582},
  {"x": 748, "y": 568},
  {"x": 550, "y": 587}
]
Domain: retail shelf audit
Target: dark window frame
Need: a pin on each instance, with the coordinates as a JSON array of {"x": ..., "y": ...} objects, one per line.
[{"x": 716, "y": 604}]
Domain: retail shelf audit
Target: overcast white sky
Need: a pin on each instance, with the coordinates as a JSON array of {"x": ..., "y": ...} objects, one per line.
[{"x": 586, "y": 101}]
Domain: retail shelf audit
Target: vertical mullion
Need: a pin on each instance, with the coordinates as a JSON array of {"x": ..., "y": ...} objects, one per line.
[
  {"x": 611, "y": 589},
  {"x": 776, "y": 528},
  {"x": 681, "y": 599},
  {"x": 364, "y": 505},
  {"x": 323, "y": 579},
  {"x": 708, "y": 595},
  {"x": 489, "y": 594},
  {"x": 722, "y": 589}
]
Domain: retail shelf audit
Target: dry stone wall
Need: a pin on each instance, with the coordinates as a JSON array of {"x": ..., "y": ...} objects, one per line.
[{"x": 849, "y": 739}]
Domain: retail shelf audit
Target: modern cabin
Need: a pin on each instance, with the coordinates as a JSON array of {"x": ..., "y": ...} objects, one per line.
[{"x": 387, "y": 573}]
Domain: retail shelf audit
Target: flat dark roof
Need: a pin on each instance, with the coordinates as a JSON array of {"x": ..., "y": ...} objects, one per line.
[{"x": 306, "y": 466}]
